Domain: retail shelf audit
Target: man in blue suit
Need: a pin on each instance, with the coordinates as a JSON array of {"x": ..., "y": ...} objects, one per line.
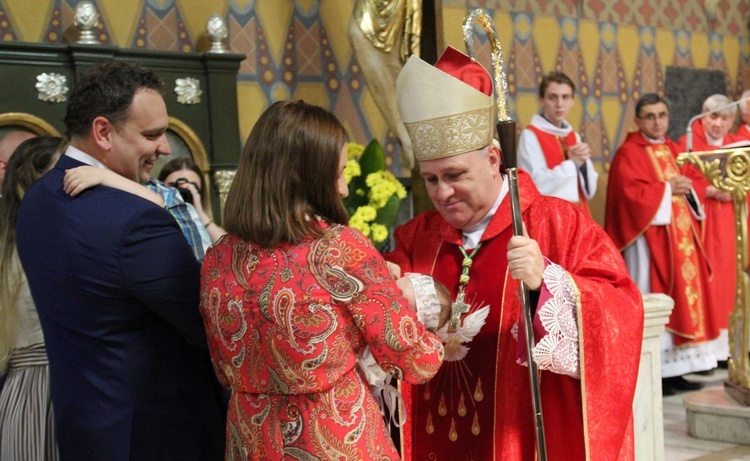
[{"x": 116, "y": 286}]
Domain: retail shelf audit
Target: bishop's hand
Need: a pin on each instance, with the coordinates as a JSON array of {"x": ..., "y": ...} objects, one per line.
[{"x": 525, "y": 260}]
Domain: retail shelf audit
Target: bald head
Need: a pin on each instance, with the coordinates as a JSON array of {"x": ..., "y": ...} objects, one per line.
[{"x": 8, "y": 144}]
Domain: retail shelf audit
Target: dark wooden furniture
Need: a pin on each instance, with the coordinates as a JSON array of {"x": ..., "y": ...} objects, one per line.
[{"x": 209, "y": 127}]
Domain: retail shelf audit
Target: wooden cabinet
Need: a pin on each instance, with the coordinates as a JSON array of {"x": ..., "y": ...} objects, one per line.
[{"x": 206, "y": 128}]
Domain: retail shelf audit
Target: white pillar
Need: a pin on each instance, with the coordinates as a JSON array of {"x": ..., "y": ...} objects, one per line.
[{"x": 648, "y": 415}]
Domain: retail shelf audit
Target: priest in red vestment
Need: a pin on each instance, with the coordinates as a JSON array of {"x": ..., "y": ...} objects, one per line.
[
  {"x": 557, "y": 159},
  {"x": 588, "y": 312},
  {"x": 743, "y": 131},
  {"x": 651, "y": 215},
  {"x": 711, "y": 132}
]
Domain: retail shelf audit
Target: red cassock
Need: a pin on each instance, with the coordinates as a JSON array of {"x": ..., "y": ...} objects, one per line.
[
  {"x": 286, "y": 326},
  {"x": 479, "y": 407},
  {"x": 718, "y": 235},
  {"x": 678, "y": 264}
]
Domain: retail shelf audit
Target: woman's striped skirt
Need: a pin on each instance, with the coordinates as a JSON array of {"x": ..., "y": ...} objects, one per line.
[{"x": 27, "y": 426}]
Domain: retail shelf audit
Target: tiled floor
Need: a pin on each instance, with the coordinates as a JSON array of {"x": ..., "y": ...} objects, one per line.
[{"x": 679, "y": 446}]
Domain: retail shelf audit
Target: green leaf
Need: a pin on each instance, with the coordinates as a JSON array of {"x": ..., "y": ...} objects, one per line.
[
  {"x": 387, "y": 215},
  {"x": 373, "y": 158},
  {"x": 354, "y": 200}
]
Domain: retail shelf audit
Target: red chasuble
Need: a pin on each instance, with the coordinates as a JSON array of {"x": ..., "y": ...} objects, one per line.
[
  {"x": 743, "y": 133},
  {"x": 718, "y": 236},
  {"x": 555, "y": 150},
  {"x": 479, "y": 407},
  {"x": 678, "y": 266}
]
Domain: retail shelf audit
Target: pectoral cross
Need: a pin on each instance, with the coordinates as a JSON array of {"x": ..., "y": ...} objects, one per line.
[{"x": 458, "y": 307}]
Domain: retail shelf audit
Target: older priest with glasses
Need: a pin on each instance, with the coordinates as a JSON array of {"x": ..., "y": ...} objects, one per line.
[{"x": 588, "y": 313}]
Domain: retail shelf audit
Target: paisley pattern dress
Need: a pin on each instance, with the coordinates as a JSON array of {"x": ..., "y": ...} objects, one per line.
[{"x": 286, "y": 326}]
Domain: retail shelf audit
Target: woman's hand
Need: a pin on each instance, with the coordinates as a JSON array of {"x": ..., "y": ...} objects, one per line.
[
  {"x": 394, "y": 269},
  {"x": 196, "y": 194}
]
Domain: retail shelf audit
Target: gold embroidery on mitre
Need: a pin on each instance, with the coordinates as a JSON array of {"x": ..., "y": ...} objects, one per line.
[
  {"x": 427, "y": 394},
  {"x": 452, "y": 135}
]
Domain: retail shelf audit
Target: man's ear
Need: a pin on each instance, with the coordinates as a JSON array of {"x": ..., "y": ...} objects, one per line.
[
  {"x": 101, "y": 131},
  {"x": 494, "y": 156}
]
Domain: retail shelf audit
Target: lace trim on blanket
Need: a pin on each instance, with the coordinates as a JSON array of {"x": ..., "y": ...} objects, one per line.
[
  {"x": 428, "y": 304},
  {"x": 558, "y": 350}
]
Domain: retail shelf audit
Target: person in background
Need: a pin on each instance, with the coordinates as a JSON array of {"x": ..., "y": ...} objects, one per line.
[
  {"x": 27, "y": 427},
  {"x": 557, "y": 159},
  {"x": 743, "y": 131},
  {"x": 588, "y": 312},
  {"x": 8, "y": 143},
  {"x": 116, "y": 287},
  {"x": 292, "y": 296},
  {"x": 652, "y": 216},
  {"x": 183, "y": 173},
  {"x": 711, "y": 132}
]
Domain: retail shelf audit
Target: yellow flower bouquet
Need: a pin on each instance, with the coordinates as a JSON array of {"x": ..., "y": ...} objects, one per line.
[{"x": 374, "y": 193}]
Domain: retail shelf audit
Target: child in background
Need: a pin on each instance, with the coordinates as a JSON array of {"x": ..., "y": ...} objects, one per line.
[{"x": 196, "y": 232}]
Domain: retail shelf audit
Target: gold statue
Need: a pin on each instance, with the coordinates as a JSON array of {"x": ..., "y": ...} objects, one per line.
[{"x": 377, "y": 29}]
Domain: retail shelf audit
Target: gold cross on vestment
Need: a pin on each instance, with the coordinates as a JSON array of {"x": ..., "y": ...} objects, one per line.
[{"x": 458, "y": 307}]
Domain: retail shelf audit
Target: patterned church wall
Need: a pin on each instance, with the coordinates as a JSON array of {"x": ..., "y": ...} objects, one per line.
[
  {"x": 615, "y": 50},
  {"x": 293, "y": 49}
]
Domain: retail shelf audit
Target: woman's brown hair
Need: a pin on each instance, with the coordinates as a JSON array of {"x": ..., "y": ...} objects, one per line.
[
  {"x": 287, "y": 176},
  {"x": 31, "y": 159}
]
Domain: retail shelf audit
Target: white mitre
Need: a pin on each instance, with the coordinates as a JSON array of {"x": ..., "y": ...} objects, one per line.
[{"x": 448, "y": 109}]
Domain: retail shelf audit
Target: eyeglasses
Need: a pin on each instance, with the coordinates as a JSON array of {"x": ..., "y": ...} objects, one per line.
[{"x": 654, "y": 117}]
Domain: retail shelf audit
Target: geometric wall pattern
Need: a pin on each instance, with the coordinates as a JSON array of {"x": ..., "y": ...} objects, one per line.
[{"x": 615, "y": 50}]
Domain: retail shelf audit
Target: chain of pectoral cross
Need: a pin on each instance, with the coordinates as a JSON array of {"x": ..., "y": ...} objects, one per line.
[{"x": 460, "y": 306}]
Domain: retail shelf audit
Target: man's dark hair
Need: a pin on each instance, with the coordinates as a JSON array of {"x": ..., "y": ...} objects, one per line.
[
  {"x": 649, "y": 99},
  {"x": 107, "y": 90},
  {"x": 555, "y": 77}
]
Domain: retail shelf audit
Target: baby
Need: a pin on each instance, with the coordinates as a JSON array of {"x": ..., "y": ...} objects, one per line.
[{"x": 431, "y": 300}]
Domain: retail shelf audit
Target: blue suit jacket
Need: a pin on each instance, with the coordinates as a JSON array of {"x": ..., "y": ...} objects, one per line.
[{"x": 116, "y": 286}]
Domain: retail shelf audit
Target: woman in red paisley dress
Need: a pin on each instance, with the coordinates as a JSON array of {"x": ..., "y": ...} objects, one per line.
[{"x": 291, "y": 296}]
